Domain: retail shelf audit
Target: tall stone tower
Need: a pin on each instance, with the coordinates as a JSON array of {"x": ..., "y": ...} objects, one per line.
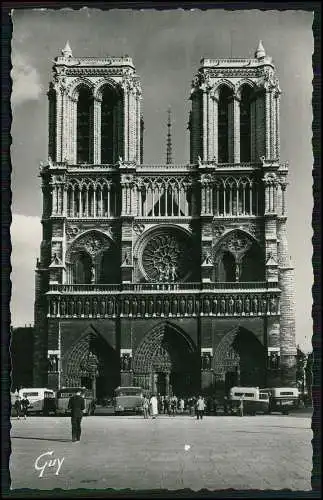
[{"x": 172, "y": 277}]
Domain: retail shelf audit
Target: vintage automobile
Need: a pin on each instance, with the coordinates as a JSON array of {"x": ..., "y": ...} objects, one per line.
[
  {"x": 64, "y": 394},
  {"x": 252, "y": 399},
  {"x": 128, "y": 400},
  {"x": 41, "y": 400},
  {"x": 282, "y": 399}
]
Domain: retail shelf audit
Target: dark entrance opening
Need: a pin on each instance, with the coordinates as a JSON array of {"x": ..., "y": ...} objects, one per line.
[
  {"x": 161, "y": 384},
  {"x": 231, "y": 380},
  {"x": 107, "y": 378}
]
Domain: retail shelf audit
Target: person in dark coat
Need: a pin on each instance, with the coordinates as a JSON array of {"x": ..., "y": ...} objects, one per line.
[
  {"x": 24, "y": 406},
  {"x": 76, "y": 405},
  {"x": 18, "y": 407}
]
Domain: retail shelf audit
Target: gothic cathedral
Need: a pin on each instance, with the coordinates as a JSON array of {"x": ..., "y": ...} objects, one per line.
[{"x": 175, "y": 278}]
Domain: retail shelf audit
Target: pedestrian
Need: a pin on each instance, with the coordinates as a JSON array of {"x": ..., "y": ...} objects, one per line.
[
  {"x": 145, "y": 406},
  {"x": 166, "y": 406},
  {"x": 76, "y": 405},
  {"x": 200, "y": 407},
  {"x": 24, "y": 406},
  {"x": 154, "y": 406},
  {"x": 174, "y": 405},
  {"x": 181, "y": 405},
  {"x": 17, "y": 406},
  {"x": 241, "y": 407}
]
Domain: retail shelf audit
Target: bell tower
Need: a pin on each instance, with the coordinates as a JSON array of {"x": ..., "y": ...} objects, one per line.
[
  {"x": 235, "y": 138},
  {"x": 94, "y": 110}
]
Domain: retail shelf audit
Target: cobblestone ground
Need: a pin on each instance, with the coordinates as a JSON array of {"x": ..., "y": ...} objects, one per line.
[{"x": 261, "y": 452}]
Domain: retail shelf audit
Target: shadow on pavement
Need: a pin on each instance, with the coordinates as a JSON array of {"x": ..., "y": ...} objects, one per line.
[{"x": 42, "y": 439}]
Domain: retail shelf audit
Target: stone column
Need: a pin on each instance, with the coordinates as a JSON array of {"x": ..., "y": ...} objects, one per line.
[
  {"x": 59, "y": 124},
  {"x": 215, "y": 109},
  {"x": 205, "y": 136},
  {"x": 73, "y": 157},
  {"x": 268, "y": 123},
  {"x": 236, "y": 129},
  {"x": 97, "y": 102},
  {"x": 277, "y": 117},
  {"x": 126, "y": 124},
  {"x": 231, "y": 130}
]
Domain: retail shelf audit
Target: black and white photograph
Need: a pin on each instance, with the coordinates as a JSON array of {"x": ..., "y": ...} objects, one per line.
[{"x": 161, "y": 304}]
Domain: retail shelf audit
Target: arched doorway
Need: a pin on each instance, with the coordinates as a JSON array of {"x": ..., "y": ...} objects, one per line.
[
  {"x": 75, "y": 366},
  {"x": 166, "y": 362},
  {"x": 240, "y": 359}
]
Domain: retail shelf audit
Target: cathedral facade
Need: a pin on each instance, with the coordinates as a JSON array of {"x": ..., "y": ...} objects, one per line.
[{"x": 176, "y": 278}]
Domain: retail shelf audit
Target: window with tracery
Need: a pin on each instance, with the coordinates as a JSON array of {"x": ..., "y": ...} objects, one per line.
[{"x": 167, "y": 257}]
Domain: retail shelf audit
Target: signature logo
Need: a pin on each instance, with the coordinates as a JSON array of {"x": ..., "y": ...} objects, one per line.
[{"x": 41, "y": 463}]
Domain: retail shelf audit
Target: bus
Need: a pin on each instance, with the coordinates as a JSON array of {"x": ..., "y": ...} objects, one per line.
[
  {"x": 65, "y": 393},
  {"x": 128, "y": 400},
  {"x": 282, "y": 399},
  {"x": 254, "y": 401},
  {"x": 41, "y": 401}
]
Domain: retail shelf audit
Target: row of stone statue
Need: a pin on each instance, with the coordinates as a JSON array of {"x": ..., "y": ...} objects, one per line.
[{"x": 165, "y": 306}]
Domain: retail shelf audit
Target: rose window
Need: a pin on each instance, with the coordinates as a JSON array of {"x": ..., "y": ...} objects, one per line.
[{"x": 167, "y": 257}]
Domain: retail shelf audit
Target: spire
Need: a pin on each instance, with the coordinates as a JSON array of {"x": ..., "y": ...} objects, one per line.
[
  {"x": 260, "y": 52},
  {"x": 67, "y": 51},
  {"x": 169, "y": 159}
]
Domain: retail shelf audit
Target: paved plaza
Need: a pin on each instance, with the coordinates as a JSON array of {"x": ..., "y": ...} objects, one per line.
[{"x": 260, "y": 452}]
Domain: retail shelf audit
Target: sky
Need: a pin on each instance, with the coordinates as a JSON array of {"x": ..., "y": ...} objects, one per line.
[{"x": 166, "y": 47}]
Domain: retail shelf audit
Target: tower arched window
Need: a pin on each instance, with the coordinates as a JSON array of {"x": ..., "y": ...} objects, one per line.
[
  {"x": 84, "y": 126},
  {"x": 225, "y": 96},
  {"x": 108, "y": 125},
  {"x": 245, "y": 124}
]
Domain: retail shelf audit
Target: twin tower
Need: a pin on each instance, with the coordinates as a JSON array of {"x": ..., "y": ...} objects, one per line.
[{"x": 173, "y": 277}]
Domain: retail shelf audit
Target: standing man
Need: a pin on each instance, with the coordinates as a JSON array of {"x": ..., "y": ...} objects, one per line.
[
  {"x": 200, "y": 407},
  {"x": 18, "y": 407},
  {"x": 145, "y": 406},
  {"x": 24, "y": 406},
  {"x": 76, "y": 405}
]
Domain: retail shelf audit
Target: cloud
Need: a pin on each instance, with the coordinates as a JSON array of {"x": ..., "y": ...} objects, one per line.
[
  {"x": 25, "y": 240},
  {"x": 26, "y": 84}
]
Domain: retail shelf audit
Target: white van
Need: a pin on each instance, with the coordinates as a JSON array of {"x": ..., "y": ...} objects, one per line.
[{"x": 41, "y": 401}]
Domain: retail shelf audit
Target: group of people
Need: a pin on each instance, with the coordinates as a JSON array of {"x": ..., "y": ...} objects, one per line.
[
  {"x": 21, "y": 406},
  {"x": 172, "y": 405}
]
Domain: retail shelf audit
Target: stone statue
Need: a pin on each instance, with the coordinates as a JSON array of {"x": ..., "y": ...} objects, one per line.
[
  {"x": 158, "y": 307},
  {"x": 247, "y": 305},
  {"x": 182, "y": 306},
  {"x": 215, "y": 306},
  {"x": 110, "y": 307},
  {"x": 223, "y": 308},
  {"x": 87, "y": 307},
  {"x": 92, "y": 274},
  {"x": 173, "y": 273},
  {"x": 72, "y": 308},
  {"x": 79, "y": 307},
  {"x": 63, "y": 308},
  {"x": 273, "y": 305},
  {"x": 126, "y": 307},
  {"x": 134, "y": 307},
  {"x": 239, "y": 305},
  {"x": 231, "y": 304},
  {"x": 197, "y": 306},
  {"x": 102, "y": 307},
  {"x": 54, "y": 308},
  {"x": 174, "y": 306},
  {"x": 150, "y": 306},
  {"x": 142, "y": 307},
  {"x": 190, "y": 306},
  {"x": 264, "y": 306},
  {"x": 166, "y": 307},
  {"x": 206, "y": 306},
  {"x": 255, "y": 305},
  {"x": 95, "y": 307}
]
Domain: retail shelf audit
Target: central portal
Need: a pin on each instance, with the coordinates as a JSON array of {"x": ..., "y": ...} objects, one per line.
[{"x": 166, "y": 362}]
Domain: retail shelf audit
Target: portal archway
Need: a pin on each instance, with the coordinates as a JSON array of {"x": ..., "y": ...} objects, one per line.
[
  {"x": 166, "y": 362},
  {"x": 75, "y": 373},
  {"x": 240, "y": 359}
]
